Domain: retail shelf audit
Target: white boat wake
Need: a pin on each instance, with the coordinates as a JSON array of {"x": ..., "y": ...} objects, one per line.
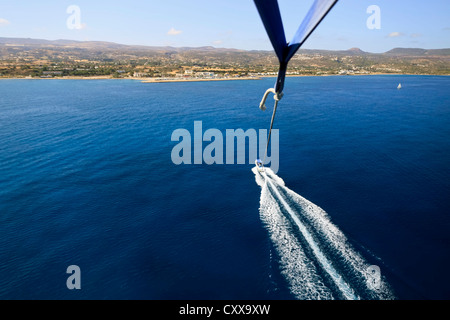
[{"x": 316, "y": 258}]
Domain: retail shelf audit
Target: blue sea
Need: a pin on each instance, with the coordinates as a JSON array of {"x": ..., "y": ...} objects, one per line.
[{"x": 87, "y": 179}]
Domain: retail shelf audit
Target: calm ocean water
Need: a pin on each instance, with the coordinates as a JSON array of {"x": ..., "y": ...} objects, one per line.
[{"x": 86, "y": 179}]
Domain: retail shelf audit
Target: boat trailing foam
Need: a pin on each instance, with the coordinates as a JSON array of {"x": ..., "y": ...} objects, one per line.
[{"x": 315, "y": 256}]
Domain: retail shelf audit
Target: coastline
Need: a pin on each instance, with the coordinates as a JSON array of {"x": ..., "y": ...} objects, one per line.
[
  {"x": 143, "y": 80},
  {"x": 167, "y": 80}
]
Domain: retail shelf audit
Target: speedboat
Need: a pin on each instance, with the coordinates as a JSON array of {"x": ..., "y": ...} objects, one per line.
[{"x": 259, "y": 165}]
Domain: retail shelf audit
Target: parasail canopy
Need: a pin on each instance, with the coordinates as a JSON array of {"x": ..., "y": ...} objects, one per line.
[{"x": 269, "y": 12}]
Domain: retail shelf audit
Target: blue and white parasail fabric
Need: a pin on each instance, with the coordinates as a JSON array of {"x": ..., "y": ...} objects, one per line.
[{"x": 269, "y": 12}]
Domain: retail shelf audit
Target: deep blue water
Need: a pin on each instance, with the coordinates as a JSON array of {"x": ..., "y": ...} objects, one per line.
[{"x": 86, "y": 179}]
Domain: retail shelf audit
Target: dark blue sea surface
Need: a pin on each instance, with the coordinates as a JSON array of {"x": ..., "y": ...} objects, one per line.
[{"x": 87, "y": 179}]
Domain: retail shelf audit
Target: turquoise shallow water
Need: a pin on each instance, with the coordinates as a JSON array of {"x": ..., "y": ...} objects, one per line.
[{"x": 86, "y": 178}]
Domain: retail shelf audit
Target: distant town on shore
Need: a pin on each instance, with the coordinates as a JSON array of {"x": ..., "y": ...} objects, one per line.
[{"x": 36, "y": 58}]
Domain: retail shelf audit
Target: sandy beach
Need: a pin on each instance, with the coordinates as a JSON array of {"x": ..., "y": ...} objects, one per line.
[
  {"x": 156, "y": 80},
  {"x": 144, "y": 80}
]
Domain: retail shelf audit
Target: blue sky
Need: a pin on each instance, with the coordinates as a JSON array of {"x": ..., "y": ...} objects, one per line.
[{"x": 229, "y": 23}]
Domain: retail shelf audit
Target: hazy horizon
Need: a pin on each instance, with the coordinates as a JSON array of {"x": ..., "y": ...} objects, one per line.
[{"x": 228, "y": 24}]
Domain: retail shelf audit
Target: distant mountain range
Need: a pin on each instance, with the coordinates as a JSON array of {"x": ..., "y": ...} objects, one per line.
[
  {"x": 42, "y": 43},
  {"x": 98, "y": 45},
  {"x": 39, "y": 53}
]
